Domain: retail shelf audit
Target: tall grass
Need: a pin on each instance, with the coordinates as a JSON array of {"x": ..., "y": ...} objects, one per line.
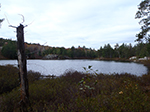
[{"x": 111, "y": 93}]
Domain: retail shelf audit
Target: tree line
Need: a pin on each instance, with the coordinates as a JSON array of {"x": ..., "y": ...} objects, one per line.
[
  {"x": 34, "y": 51},
  {"x": 125, "y": 51},
  {"x": 80, "y": 52}
]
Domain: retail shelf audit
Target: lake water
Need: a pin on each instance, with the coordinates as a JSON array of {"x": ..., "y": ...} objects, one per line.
[{"x": 58, "y": 67}]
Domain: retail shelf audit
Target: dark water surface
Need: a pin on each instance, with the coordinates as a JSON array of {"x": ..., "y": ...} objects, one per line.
[{"x": 58, "y": 67}]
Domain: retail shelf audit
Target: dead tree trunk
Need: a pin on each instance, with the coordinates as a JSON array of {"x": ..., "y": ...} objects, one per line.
[{"x": 22, "y": 68}]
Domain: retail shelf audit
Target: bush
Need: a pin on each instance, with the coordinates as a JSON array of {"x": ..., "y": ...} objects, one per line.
[
  {"x": 33, "y": 76},
  {"x": 111, "y": 93},
  {"x": 10, "y": 101},
  {"x": 8, "y": 78}
]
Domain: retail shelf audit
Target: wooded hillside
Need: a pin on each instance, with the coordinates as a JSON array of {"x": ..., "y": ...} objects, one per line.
[{"x": 37, "y": 51}]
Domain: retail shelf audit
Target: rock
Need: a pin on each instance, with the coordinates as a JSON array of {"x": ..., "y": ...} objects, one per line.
[{"x": 51, "y": 56}]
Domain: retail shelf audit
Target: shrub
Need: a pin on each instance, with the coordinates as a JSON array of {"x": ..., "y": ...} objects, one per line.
[
  {"x": 33, "y": 76},
  {"x": 8, "y": 78},
  {"x": 115, "y": 92}
]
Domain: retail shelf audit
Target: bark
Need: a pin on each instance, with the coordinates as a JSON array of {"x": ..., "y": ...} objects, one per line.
[{"x": 24, "y": 88}]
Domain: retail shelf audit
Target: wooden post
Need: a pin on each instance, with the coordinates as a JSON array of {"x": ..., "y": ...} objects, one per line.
[{"x": 22, "y": 68}]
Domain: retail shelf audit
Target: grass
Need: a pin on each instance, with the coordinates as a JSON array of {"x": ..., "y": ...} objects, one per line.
[{"x": 110, "y": 93}]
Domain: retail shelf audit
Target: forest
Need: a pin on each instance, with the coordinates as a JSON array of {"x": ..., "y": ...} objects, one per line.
[{"x": 37, "y": 51}]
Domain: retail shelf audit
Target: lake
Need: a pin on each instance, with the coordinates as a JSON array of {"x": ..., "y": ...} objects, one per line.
[{"x": 58, "y": 67}]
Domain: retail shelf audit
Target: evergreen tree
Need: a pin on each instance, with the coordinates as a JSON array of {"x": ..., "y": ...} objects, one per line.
[
  {"x": 10, "y": 50},
  {"x": 143, "y": 13}
]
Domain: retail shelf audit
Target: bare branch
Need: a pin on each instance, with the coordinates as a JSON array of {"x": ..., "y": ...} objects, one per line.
[
  {"x": 20, "y": 23},
  {"x": 22, "y": 18},
  {"x": 7, "y": 19},
  {"x": 25, "y": 26},
  {"x": 31, "y": 23},
  {"x": 12, "y": 26}
]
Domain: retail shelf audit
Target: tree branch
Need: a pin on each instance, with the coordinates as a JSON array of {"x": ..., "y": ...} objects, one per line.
[
  {"x": 12, "y": 26},
  {"x": 22, "y": 18},
  {"x": 7, "y": 19}
]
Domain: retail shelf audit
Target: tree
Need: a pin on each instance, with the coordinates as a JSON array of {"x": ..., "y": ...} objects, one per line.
[
  {"x": 142, "y": 50},
  {"x": 107, "y": 51},
  {"x": 100, "y": 52},
  {"x": 117, "y": 50},
  {"x": 58, "y": 52},
  {"x": 143, "y": 13},
  {"x": 72, "y": 51},
  {"x": 1, "y": 20},
  {"x": 63, "y": 51},
  {"x": 10, "y": 50}
]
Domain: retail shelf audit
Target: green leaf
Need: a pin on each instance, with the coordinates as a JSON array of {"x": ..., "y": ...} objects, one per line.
[
  {"x": 84, "y": 68},
  {"x": 96, "y": 73},
  {"x": 89, "y": 67}
]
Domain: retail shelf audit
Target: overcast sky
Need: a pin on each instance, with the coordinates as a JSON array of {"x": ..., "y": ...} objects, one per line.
[{"x": 66, "y": 23}]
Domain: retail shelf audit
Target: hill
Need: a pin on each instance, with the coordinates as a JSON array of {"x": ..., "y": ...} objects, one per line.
[{"x": 37, "y": 51}]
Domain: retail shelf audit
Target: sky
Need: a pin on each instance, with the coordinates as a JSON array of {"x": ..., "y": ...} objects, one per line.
[{"x": 67, "y": 23}]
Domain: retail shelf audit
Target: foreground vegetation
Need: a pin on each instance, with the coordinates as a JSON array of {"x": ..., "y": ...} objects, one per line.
[{"x": 76, "y": 92}]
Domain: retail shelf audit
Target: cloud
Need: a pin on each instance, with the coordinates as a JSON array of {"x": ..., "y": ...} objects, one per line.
[{"x": 67, "y": 23}]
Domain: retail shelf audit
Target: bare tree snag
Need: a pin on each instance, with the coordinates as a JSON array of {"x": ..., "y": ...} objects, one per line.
[
  {"x": 24, "y": 87},
  {"x": 22, "y": 68}
]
